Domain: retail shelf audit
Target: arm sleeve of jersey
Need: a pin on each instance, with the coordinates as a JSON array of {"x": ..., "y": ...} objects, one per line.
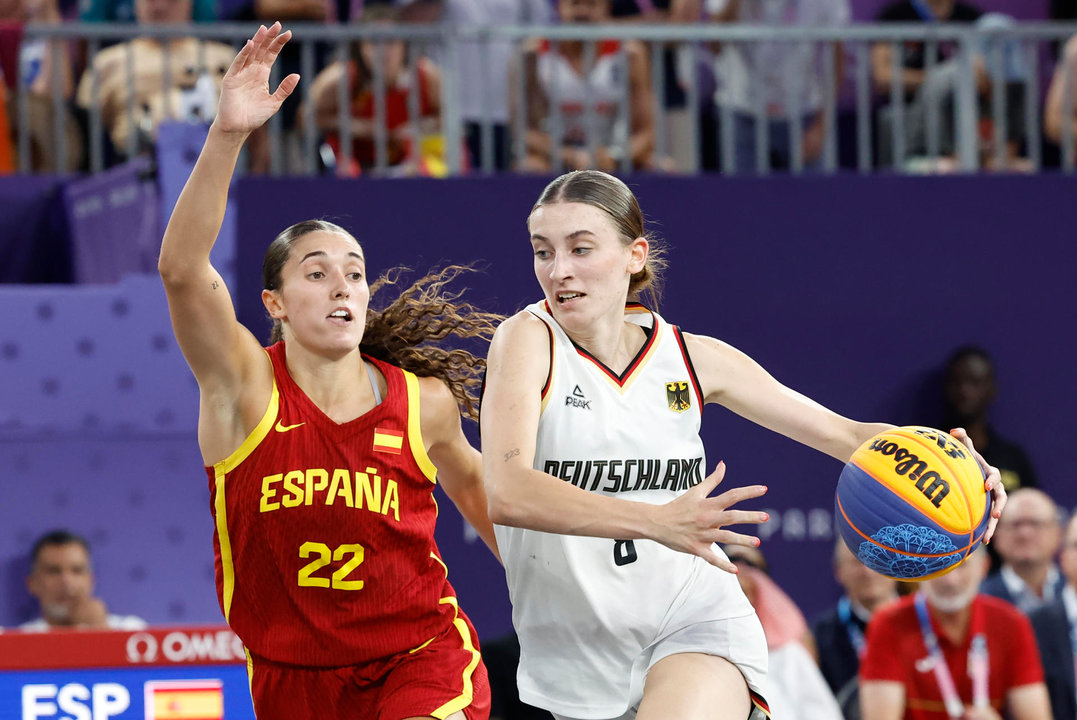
[
  {"x": 881, "y": 653},
  {"x": 1027, "y": 668}
]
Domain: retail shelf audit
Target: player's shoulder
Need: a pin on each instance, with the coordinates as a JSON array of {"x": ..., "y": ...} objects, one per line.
[{"x": 523, "y": 327}]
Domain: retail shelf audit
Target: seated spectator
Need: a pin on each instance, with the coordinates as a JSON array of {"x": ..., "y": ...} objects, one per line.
[
  {"x": 1055, "y": 625},
  {"x": 195, "y": 70},
  {"x": 7, "y": 150},
  {"x": 796, "y": 689},
  {"x": 46, "y": 70},
  {"x": 484, "y": 97},
  {"x": 1059, "y": 119},
  {"x": 969, "y": 389},
  {"x": 1027, "y": 538},
  {"x": 950, "y": 652},
  {"x": 839, "y": 635},
  {"x": 783, "y": 79},
  {"x": 921, "y": 89},
  {"x": 404, "y": 153},
  {"x": 127, "y": 11},
  {"x": 558, "y": 69},
  {"x": 61, "y": 579}
]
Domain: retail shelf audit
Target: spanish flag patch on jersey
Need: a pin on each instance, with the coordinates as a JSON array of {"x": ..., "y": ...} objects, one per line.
[{"x": 388, "y": 441}]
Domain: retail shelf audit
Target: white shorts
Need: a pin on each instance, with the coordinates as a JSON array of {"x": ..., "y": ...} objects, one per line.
[{"x": 739, "y": 640}]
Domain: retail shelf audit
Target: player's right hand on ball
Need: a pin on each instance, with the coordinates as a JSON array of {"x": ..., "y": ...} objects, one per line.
[{"x": 694, "y": 522}]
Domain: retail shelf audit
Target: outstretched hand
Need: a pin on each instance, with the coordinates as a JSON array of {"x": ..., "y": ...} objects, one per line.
[
  {"x": 246, "y": 102},
  {"x": 992, "y": 483},
  {"x": 693, "y": 522}
]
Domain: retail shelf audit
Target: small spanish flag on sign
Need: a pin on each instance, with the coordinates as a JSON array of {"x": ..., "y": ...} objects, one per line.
[
  {"x": 388, "y": 441},
  {"x": 184, "y": 700}
]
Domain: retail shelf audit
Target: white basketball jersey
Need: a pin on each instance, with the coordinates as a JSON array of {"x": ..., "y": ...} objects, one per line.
[
  {"x": 585, "y": 608},
  {"x": 601, "y": 88}
]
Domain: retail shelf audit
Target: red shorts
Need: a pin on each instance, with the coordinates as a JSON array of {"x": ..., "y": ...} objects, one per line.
[{"x": 443, "y": 677}]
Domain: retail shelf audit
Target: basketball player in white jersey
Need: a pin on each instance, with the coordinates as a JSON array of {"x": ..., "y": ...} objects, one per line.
[{"x": 596, "y": 478}]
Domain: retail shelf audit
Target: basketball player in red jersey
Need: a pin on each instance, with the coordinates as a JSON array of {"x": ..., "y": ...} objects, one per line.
[{"x": 322, "y": 452}]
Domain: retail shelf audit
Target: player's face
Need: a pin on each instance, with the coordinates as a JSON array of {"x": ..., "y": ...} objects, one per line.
[
  {"x": 581, "y": 263},
  {"x": 1028, "y": 532},
  {"x": 955, "y": 590},
  {"x": 60, "y": 579},
  {"x": 323, "y": 296}
]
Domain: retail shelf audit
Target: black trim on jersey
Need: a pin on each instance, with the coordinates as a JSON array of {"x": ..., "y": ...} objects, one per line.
[
  {"x": 549, "y": 371},
  {"x": 679, "y": 334},
  {"x": 620, "y": 379},
  {"x": 549, "y": 333}
]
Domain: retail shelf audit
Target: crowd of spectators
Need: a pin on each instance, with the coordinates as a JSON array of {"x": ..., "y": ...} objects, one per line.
[{"x": 597, "y": 100}]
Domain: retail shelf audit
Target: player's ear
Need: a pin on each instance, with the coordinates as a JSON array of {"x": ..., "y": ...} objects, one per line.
[
  {"x": 271, "y": 300},
  {"x": 638, "y": 251}
]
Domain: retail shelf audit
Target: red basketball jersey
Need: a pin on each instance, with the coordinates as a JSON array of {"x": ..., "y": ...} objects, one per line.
[{"x": 324, "y": 540}]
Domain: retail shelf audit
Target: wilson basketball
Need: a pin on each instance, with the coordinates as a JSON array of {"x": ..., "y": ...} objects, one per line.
[{"x": 911, "y": 503}]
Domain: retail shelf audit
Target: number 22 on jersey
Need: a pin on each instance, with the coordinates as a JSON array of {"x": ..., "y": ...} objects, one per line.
[{"x": 323, "y": 556}]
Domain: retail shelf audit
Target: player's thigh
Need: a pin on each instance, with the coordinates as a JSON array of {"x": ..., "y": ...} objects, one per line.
[{"x": 694, "y": 686}]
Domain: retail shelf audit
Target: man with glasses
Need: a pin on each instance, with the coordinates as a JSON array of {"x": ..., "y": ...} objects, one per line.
[{"x": 1027, "y": 540}]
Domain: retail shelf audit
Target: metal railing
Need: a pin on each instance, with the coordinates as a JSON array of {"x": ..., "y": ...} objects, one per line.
[{"x": 859, "y": 101}]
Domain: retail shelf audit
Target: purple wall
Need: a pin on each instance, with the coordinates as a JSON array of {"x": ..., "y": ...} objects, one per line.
[{"x": 851, "y": 290}]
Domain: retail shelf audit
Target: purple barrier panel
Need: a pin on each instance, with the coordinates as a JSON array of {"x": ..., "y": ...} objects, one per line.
[
  {"x": 115, "y": 222},
  {"x": 92, "y": 359},
  {"x": 34, "y": 245},
  {"x": 178, "y": 145},
  {"x": 850, "y": 290}
]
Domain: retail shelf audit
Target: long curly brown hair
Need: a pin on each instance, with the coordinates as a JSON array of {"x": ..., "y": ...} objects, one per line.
[{"x": 408, "y": 331}]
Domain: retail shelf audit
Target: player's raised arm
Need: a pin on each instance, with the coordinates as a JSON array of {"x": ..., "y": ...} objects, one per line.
[{"x": 215, "y": 345}]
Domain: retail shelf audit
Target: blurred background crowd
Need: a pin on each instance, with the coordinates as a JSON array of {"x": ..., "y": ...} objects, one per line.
[{"x": 436, "y": 87}]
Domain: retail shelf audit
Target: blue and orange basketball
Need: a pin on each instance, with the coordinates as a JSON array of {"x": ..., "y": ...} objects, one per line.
[{"x": 911, "y": 503}]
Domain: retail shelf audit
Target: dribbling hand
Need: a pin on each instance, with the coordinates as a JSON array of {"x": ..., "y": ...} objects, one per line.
[
  {"x": 693, "y": 522},
  {"x": 246, "y": 102},
  {"x": 993, "y": 483}
]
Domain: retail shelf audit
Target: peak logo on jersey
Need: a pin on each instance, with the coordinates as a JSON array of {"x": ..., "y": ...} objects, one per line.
[
  {"x": 677, "y": 396},
  {"x": 281, "y": 428},
  {"x": 577, "y": 399},
  {"x": 388, "y": 441}
]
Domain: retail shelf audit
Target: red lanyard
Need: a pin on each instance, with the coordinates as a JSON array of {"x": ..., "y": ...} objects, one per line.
[{"x": 978, "y": 666}]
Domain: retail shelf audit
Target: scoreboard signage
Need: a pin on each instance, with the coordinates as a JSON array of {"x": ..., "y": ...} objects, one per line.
[{"x": 156, "y": 674}]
